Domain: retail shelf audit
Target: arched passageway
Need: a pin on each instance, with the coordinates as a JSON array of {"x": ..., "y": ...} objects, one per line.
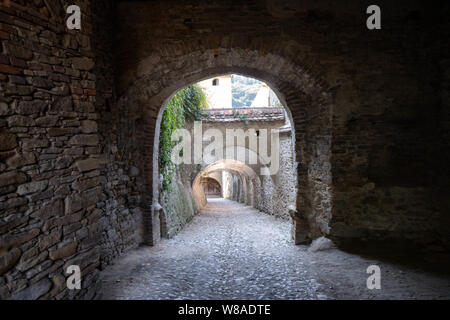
[
  {"x": 245, "y": 183},
  {"x": 238, "y": 181},
  {"x": 211, "y": 187},
  {"x": 312, "y": 171},
  {"x": 248, "y": 150}
]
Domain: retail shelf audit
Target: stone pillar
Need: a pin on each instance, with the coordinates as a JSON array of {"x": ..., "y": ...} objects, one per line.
[
  {"x": 227, "y": 185},
  {"x": 300, "y": 232}
]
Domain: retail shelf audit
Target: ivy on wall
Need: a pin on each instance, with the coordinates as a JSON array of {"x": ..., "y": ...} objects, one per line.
[{"x": 186, "y": 105}]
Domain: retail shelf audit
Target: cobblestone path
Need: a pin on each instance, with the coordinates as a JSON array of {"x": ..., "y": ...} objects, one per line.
[
  {"x": 232, "y": 251},
  {"x": 228, "y": 251}
]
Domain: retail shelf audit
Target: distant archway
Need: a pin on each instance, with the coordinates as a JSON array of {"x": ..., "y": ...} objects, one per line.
[
  {"x": 248, "y": 179},
  {"x": 211, "y": 187}
]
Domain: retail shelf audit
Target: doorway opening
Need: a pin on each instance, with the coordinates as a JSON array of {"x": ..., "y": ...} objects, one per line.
[{"x": 227, "y": 136}]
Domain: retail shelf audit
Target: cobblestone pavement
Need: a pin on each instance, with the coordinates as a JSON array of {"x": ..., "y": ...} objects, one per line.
[
  {"x": 228, "y": 251},
  {"x": 232, "y": 251}
]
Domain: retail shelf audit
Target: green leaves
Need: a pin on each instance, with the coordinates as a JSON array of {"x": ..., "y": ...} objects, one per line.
[
  {"x": 185, "y": 105},
  {"x": 193, "y": 101}
]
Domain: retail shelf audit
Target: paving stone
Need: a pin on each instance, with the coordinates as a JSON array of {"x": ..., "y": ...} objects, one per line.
[{"x": 228, "y": 251}]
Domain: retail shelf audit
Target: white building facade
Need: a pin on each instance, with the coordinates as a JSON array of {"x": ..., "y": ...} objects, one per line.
[{"x": 218, "y": 91}]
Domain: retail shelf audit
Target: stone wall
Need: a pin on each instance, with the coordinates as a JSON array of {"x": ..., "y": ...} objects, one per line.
[
  {"x": 50, "y": 171},
  {"x": 284, "y": 190},
  {"x": 65, "y": 196},
  {"x": 385, "y": 158},
  {"x": 277, "y": 192},
  {"x": 122, "y": 216},
  {"x": 178, "y": 201}
]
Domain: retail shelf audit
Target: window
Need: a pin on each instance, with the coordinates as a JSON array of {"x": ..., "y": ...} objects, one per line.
[{"x": 215, "y": 82}]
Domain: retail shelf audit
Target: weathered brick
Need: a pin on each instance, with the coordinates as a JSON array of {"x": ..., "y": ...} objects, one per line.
[
  {"x": 32, "y": 144},
  {"x": 30, "y": 107},
  {"x": 82, "y": 63},
  {"x": 5, "y": 109},
  {"x": 20, "y": 121},
  {"x": 8, "y": 141},
  {"x": 88, "y": 126},
  {"x": 56, "y": 132},
  {"x": 53, "y": 208},
  {"x": 47, "y": 121},
  {"x": 88, "y": 164},
  {"x": 17, "y": 80},
  {"x": 82, "y": 200},
  {"x": 84, "y": 140},
  {"x": 34, "y": 291},
  {"x": 17, "y": 51},
  {"x": 32, "y": 187},
  {"x": 18, "y": 63},
  {"x": 64, "y": 220},
  {"x": 14, "y": 240},
  {"x": 40, "y": 82},
  {"x": 86, "y": 184},
  {"x": 62, "y": 104},
  {"x": 12, "y": 177},
  {"x": 48, "y": 240},
  {"x": 9, "y": 260},
  {"x": 20, "y": 160},
  {"x": 84, "y": 106},
  {"x": 4, "y": 68}
]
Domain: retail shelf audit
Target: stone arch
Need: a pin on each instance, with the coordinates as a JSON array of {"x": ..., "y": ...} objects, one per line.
[
  {"x": 213, "y": 185},
  {"x": 296, "y": 89},
  {"x": 237, "y": 168}
]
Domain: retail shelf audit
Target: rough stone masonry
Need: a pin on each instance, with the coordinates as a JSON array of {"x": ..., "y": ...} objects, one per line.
[{"x": 79, "y": 116}]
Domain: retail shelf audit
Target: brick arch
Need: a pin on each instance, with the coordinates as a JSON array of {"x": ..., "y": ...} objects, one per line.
[{"x": 306, "y": 98}]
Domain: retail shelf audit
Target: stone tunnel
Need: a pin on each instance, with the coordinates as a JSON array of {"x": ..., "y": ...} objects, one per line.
[{"x": 80, "y": 112}]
